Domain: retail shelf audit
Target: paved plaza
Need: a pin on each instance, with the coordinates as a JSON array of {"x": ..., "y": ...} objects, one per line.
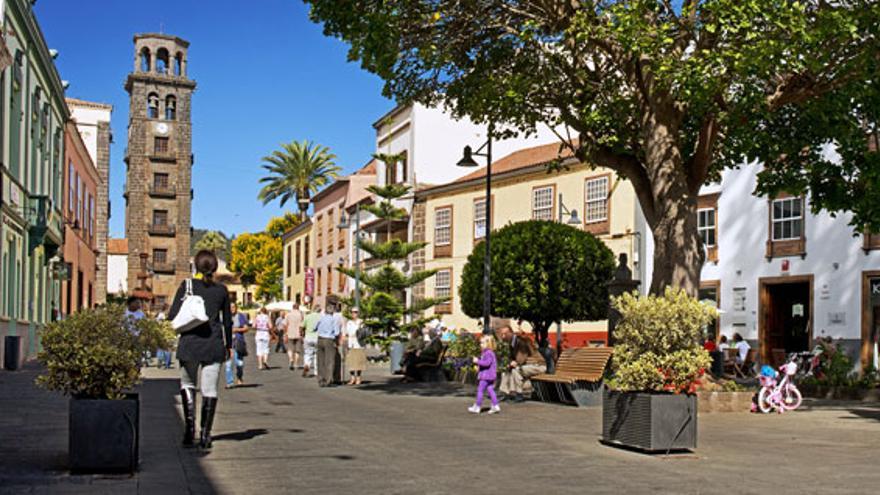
[{"x": 282, "y": 434}]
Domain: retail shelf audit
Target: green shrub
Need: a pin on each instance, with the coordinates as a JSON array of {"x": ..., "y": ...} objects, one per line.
[
  {"x": 92, "y": 354},
  {"x": 658, "y": 345},
  {"x": 543, "y": 273}
]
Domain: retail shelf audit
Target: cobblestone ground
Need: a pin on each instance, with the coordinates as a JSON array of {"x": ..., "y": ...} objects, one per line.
[{"x": 282, "y": 434}]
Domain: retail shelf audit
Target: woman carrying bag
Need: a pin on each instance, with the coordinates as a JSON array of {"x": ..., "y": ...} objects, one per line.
[{"x": 203, "y": 348}]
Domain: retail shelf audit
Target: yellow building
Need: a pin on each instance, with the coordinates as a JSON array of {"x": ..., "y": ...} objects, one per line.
[
  {"x": 296, "y": 248},
  {"x": 522, "y": 189}
]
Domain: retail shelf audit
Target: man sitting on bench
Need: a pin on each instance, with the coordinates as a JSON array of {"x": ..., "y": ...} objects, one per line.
[
  {"x": 518, "y": 371},
  {"x": 421, "y": 350}
]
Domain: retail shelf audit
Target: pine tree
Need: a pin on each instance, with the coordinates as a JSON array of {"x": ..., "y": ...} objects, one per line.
[{"x": 383, "y": 306}]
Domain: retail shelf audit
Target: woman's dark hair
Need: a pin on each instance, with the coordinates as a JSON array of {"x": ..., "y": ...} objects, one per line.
[
  {"x": 737, "y": 337},
  {"x": 206, "y": 263}
]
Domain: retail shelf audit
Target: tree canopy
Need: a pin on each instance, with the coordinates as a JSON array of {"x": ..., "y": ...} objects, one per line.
[
  {"x": 277, "y": 226},
  {"x": 258, "y": 258},
  {"x": 542, "y": 272},
  {"x": 667, "y": 93},
  {"x": 213, "y": 241}
]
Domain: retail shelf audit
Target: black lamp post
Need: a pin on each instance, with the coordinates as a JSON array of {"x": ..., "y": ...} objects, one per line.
[
  {"x": 468, "y": 161},
  {"x": 572, "y": 220}
]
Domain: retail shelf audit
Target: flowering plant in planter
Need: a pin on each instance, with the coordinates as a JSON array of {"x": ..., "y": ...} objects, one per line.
[{"x": 658, "y": 343}]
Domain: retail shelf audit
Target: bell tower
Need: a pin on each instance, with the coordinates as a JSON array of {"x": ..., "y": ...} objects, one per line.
[{"x": 158, "y": 194}]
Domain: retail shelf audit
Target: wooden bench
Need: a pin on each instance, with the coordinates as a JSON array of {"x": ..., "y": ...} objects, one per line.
[{"x": 578, "y": 377}]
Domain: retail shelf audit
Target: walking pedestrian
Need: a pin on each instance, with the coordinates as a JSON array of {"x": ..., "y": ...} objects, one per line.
[
  {"x": 163, "y": 356},
  {"x": 310, "y": 340},
  {"x": 235, "y": 365},
  {"x": 294, "y": 326},
  {"x": 202, "y": 349},
  {"x": 487, "y": 363},
  {"x": 280, "y": 332},
  {"x": 356, "y": 358},
  {"x": 328, "y": 330},
  {"x": 263, "y": 327}
]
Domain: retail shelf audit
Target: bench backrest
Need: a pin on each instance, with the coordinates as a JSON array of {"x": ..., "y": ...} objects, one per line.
[{"x": 588, "y": 363}]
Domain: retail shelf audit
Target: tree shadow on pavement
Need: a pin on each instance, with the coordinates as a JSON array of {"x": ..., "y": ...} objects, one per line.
[
  {"x": 864, "y": 411},
  {"x": 395, "y": 386}
]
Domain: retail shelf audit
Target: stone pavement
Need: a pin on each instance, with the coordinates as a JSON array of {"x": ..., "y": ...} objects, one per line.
[{"x": 282, "y": 434}]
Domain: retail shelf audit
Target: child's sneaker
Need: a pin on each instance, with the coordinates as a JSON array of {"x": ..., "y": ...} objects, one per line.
[
  {"x": 474, "y": 409},
  {"x": 495, "y": 410}
]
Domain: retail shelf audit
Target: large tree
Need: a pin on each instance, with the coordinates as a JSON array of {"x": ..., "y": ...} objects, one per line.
[
  {"x": 667, "y": 93},
  {"x": 296, "y": 171}
]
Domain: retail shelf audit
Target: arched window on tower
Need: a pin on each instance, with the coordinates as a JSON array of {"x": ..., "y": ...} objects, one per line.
[
  {"x": 153, "y": 106},
  {"x": 162, "y": 61},
  {"x": 145, "y": 59},
  {"x": 170, "y": 108},
  {"x": 178, "y": 64}
]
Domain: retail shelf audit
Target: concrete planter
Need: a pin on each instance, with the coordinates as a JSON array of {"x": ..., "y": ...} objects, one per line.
[
  {"x": 104, "y": 435},
  {"x": 715, "y": 402},
  {"x": 12, "y": 352},
  {"x": 650, "y": 422},
  {"x": 395, "y": 355}
]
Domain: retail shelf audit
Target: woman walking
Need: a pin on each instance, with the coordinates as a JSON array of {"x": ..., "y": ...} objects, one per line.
[
  {"x": 203, "y": 349},
  {"x": 263, "y": 326},
  {"x": 487, "y": 362},
  {"x": 356, "y": 359}
]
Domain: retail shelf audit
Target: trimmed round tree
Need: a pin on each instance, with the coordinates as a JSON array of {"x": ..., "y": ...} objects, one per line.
[{"x": 543, "y": 273}]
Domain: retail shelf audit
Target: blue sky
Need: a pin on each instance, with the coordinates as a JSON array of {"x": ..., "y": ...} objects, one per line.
[{"x": 265, "y": 74}]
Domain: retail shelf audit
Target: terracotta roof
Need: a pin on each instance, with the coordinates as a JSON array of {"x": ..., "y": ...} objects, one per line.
[
  {"x": 76, "y": 102},
  {"x": 523, "y": 158},
  {"x": 368, "y": 169},
  {"x": 117, "y": 246}
]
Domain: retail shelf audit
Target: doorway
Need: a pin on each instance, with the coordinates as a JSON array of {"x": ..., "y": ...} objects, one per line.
[
  {"x": 787, "y": 315},
  {"x": 870, "y": 352}
]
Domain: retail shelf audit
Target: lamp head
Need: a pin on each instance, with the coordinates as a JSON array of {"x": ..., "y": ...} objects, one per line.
[
  {"x": 343, "y": 223},
  {"x": 574, "y": 220},
  {"x": 468, "y": 159}
]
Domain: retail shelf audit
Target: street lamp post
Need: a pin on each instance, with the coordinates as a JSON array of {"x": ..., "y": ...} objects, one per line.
[
  {"x": 344, "y": 224},
  {"x": 468, "y": 161},
  {"x": 573, "y": 220}
]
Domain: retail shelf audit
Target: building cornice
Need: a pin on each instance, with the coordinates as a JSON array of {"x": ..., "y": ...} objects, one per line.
[{"x": 478, "y": 181}]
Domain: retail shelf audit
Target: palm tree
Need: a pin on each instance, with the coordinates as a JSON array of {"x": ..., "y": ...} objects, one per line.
[{"x": 297, "y": 170}]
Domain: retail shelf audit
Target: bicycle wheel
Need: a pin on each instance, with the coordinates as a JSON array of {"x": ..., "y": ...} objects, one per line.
[
  {"x": 791, "y": 398},
  {"x": 764, "y": 404}
]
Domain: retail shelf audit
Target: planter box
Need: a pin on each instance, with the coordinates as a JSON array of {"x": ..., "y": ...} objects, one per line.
[
  {"x": 651, "y": 422},
  {"x": 395, "y": 354},
  {"x": 103, "y": 435},
  {"x": 12, "y": 352}
]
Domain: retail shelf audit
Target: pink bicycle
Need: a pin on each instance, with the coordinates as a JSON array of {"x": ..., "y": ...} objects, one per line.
[{"x": 781, "y": 396}]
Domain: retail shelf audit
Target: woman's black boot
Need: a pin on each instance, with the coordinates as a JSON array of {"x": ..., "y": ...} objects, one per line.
[
  {"x": 188, "y": 402},
  {"x": 209, "y": 406}
]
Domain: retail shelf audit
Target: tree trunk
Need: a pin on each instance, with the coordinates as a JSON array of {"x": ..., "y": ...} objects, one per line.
[{"x": 678, "y": 250}]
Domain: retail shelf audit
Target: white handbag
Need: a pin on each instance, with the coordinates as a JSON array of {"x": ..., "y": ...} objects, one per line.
[{"x": 192, "y": 311}]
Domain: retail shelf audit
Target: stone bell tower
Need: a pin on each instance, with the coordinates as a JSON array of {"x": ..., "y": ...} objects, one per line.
[{"x": 158, "y": 194}]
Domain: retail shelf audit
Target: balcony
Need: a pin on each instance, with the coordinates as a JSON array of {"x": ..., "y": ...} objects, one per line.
[
  {"x": 163, "y": 191},
  {"x": 163, "y": 267},
  {"x": 162, "y": 229}
]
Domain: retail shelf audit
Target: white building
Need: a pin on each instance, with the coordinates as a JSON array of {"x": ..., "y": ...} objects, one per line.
[
  {"x": 117, "y": 266},
  {"x": 783, "y": 276},
  {"x": 432, "y": 143}
]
